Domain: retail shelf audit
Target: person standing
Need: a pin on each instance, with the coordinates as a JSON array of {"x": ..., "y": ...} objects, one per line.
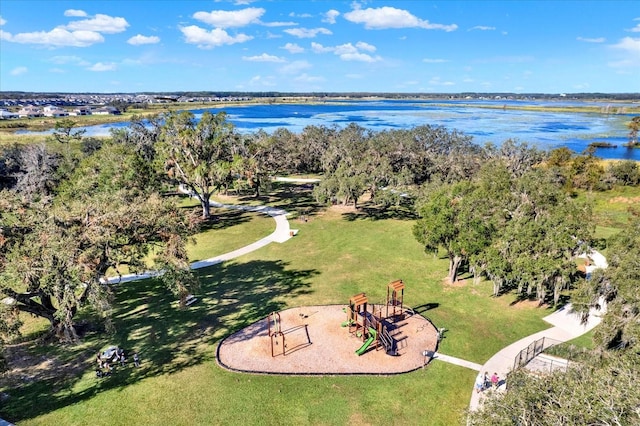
[
  {"x": 479, "y": 383},
  {"x": 136, "y": 360}
]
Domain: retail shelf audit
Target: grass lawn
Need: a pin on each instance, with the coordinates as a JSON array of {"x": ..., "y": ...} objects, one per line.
[
  {"x": 335, "y": 255},
  {"x": 228, "y": 230},
  {"x": 611, "y": 208}
]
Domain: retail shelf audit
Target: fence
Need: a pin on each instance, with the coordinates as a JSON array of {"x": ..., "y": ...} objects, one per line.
[{"x": 533, "y": 350}]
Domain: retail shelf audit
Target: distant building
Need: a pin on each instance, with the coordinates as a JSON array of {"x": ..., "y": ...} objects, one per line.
[
  {"x": 6, "y": 115},
  {"x": 81, "y": 111},
  {"x": 54, "y": 111},
  {"x": 30, "y": 111},
  {"x": 107, "y": 110}
]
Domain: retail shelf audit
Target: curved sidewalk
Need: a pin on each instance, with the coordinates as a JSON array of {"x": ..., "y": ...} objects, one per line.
[
  {"x": 281, "y": 234},
  {"x": 566, "y": 326}
]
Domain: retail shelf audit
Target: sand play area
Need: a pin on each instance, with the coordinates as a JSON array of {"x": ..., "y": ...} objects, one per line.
[{"x": 317, "y": 343}]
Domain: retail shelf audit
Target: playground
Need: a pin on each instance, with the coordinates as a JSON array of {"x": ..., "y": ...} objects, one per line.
[{"x": 316, "y": 342}]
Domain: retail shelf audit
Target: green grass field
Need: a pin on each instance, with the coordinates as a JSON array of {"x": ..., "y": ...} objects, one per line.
[{"x": 335, "y": 255}]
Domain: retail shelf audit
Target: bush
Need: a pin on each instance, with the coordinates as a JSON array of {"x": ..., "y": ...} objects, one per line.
[{"x": 625, "y": 172}]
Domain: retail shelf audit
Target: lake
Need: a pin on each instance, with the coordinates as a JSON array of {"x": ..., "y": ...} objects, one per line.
[{"x": 546, "y": 130}]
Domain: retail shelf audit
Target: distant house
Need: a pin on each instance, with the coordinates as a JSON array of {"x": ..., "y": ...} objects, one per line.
[
  {"x": 106, "y": 110},
  {"x": 6, "y": 115},
  {"x": 30, "y": 111},
  {"x": 54, "y": 111},
  {"x": 81, "y": 111}
]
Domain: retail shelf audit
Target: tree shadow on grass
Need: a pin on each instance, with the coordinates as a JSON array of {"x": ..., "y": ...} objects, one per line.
[
  {"x": 167, "y": 339},
  {"x": 223, "y": 218},
  {"x": 381, "y": 213},
  {"x": 292, "y": 197}
]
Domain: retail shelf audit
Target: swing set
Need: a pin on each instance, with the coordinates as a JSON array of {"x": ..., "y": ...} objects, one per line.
[{"x": 275, "y": 332}]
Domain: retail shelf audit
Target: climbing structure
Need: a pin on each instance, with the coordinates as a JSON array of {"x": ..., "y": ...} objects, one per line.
[
  {"x": 370, "y": 325},
  {"x": 356, "y": 314},
  {"x": 395, "y": 299}
]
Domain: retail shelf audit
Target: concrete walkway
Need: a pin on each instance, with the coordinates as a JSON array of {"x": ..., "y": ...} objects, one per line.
[
  {"x": 281, "y": 234},
  {"x": 566, "y": 326},
  {"x": 457, "y": 361}
]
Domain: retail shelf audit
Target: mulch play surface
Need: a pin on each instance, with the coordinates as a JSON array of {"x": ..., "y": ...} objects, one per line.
[{"x": 316, "y": 343}]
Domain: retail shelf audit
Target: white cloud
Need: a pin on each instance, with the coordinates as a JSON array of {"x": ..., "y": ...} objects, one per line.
[
  {"x": 293, "y": 48},
  {"x": 300, "y": 15},
  {"x": 139, "y": 39},
  {"x": 75, "y": 12},
  {"x": 2, "y": 21},
  {"x": 330, "y": 16},
  {"x": 279, "y": 24},
  {"x": 591, "y": 40},
  {"x": 306, "y": 78},
  {"x": 436, "y": 81},
  {"x": 307, "y": 32},
  {"x": 434, "y": 61},
  {"x": 630, "y": 45},
  {"x": 630, "y": 49},
  {"x": 5, "y": 36},
  {"x": 390, "y": 17},
  {"x": 258, "y": 80},
  {"x": 318, "y": 48},
  {"x": 295, "y": 67},
  {"x": 348, "y": 52},
  {"x": 208, "y": 39},
  {"x": 482, "y": 28},
  {"x": 19, "y": 70},
  {"x": 357, "y": 56},
  {"x": 365, "y": 46},
  {"x": 230, "y": 19},
  {"x": 57, "y": 37},
  {"x": 73, "y": 60},
  {"x": 101, "y": 24},
  {"x": 100, "y": 66},
  {"x": 271, "y": 35},
  {"x": 345, "y": 49},
  {"x": 263, "y": 58},
  {"x": 636, "y": 29}
]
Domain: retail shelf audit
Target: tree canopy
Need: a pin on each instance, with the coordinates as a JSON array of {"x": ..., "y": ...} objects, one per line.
[
  {"x": 56, "y": 252},
  {"x": 602, "y": 388},
  {"x": 202, "y": 155}
]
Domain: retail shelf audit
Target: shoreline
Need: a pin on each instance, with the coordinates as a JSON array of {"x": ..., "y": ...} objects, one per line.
[{"x": 11, "y": 126}]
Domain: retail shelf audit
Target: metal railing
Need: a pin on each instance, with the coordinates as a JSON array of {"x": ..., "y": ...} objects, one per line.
[{"x": 533, "y": 350}]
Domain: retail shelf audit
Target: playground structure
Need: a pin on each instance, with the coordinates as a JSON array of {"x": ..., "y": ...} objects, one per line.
[
  {"x": 275, "y": 332},
  {"x": 370, "y": 326},
  {"x": 395, "y": 298}
]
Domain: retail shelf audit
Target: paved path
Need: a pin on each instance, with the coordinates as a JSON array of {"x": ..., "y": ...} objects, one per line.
[
  {"x": 281, "y": 234},
  {"x": 457, "y": 361},
  {"x": 566, "y": 326}
]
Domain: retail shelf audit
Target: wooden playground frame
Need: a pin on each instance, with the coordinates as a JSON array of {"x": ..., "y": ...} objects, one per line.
[{"x": 369, "y": 326}]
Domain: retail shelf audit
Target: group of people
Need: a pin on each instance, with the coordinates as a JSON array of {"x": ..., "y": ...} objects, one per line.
[
  {"x": 483, "y": 381},
  {"x": 111, "y": 357}
]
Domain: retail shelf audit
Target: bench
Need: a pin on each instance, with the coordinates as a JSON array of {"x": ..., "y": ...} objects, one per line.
[{"x": 190, "y": 299}]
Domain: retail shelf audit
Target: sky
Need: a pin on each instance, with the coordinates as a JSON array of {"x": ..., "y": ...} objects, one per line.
[{"x": 130, "y": 46}]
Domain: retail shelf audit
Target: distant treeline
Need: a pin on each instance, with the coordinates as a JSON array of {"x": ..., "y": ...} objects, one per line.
[{"x": 389, "y": 95}]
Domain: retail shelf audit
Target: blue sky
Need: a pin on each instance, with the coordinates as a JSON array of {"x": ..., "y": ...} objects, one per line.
[{"x": 320, "y": 46}]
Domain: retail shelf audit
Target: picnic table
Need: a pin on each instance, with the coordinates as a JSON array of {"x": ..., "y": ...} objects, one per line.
[{"x": 109, "y": 354}]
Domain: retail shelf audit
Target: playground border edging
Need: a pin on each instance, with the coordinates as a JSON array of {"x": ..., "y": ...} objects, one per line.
[{"x": 311, "y": 374}]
